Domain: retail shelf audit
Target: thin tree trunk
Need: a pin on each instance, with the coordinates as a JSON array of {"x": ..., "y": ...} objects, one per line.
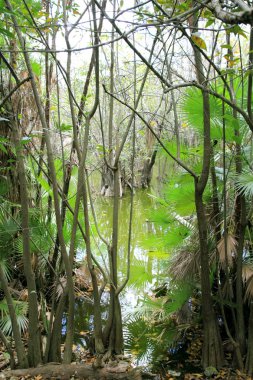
[
  {"x": 53, "y": 349},
  {"x": 116, "y": 335},
  {"x": 108, "y": 177},
  {"x": 70, "y": 285},
  {"x": 20, "y": 349},
  {"x": 240, "y": 226},
  {"x": 212, "y": 353},
  {"x": 34, "y": 346},
  {"x": 249, "y": 358}
]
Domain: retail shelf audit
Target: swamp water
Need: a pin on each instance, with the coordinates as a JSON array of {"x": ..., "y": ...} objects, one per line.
[{"x": 147, "y": 265}]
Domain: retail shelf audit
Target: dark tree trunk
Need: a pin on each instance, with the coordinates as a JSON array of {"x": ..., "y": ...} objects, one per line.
[
  {"x": 212, "y": 354},
  {"x": 249, "y": 359}
]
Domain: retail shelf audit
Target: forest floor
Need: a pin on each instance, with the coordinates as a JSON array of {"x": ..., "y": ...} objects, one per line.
[{"x": 83, "y": 368}]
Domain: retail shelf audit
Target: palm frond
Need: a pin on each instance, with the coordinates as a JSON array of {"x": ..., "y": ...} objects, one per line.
[
  {"x": 191, "y": 110},
  {"x": 247, "y": 275},
  {"x": 226, "y": 255},
  {"x": 185, "y": 264},
  {"x": 139, "y": 274},
  {"x": 21, "y": 308},
  {"x": 244, "y": 183},
  {"x": 147, "y": 340}
]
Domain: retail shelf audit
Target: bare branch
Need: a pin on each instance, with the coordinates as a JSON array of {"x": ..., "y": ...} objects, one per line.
[
  {"x": 178, "y": 161},
  {"x": 243, "y": 17}
]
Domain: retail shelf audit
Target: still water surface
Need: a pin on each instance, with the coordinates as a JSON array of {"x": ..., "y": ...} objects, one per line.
[{"x": 145, "y": 268}]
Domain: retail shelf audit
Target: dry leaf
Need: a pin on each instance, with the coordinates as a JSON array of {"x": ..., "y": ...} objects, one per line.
[
  {"x": 198, "y": 41},
  {"x": 231, "y": 250}
]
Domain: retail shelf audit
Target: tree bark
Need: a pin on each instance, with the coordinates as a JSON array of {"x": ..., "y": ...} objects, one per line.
[
  {"x": 22, "y": 359},
  {"x": 68, "y": 346},
  {"x": 249, "y": 358},
  {"x": 34, "y": 346},
  {"x": 212, "y": 353}
]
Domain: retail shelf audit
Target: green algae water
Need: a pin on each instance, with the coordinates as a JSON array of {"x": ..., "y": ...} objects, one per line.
[{"x": 145, "y": 267}]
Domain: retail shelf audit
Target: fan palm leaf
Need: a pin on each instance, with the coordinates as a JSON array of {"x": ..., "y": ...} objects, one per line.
[
  {"x": 244, "y": 184},
  {"x": 191, "y": 110},
  {"x": 227, "y": 251},
  {"x": 21, "y": 308},
  {"x": 8, "y": 230},
  {"x": 247, "y": 275}
]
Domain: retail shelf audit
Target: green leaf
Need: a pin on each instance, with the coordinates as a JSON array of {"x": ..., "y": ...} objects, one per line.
[
  {"x": 6, "y": 32},
  {"x": 3, "y": 186},
  {"x": 209, "y": 22},
  {"x": 6, "y": 355},
  {"x": 226, "y": 46},
  {"x": 44, "y": 184},
  {"x": 21, "y": 309},
  {"x": 236, "y": 29},
  {"x": 244, "y": 183},
  {"x": 3, "y": 149},
  {"x": 36, "y": 67},
  {"x": 64, "y": 127}
]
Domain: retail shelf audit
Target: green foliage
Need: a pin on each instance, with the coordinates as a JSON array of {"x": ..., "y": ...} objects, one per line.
[
  {"x": 147, "y": 341},
  {"x": 21, "y": 13},
  {"x": 40, "y": 238},
  {"x": 8, "y": 231},
  {"x": 181, "y": 196},
  {"x": 44, "y": 185},
  {"x": 244, "y": 183},
  {"x": 140, "y": 274},
  {"x": 4, "y": 186},
  {"x": 21, "y": 309},
  {"x": 5, "y": 32},
  {"x": 191, "y": 111},
  {"x": 153, "y": 330},
  {"x": 36, "y": 67}
]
